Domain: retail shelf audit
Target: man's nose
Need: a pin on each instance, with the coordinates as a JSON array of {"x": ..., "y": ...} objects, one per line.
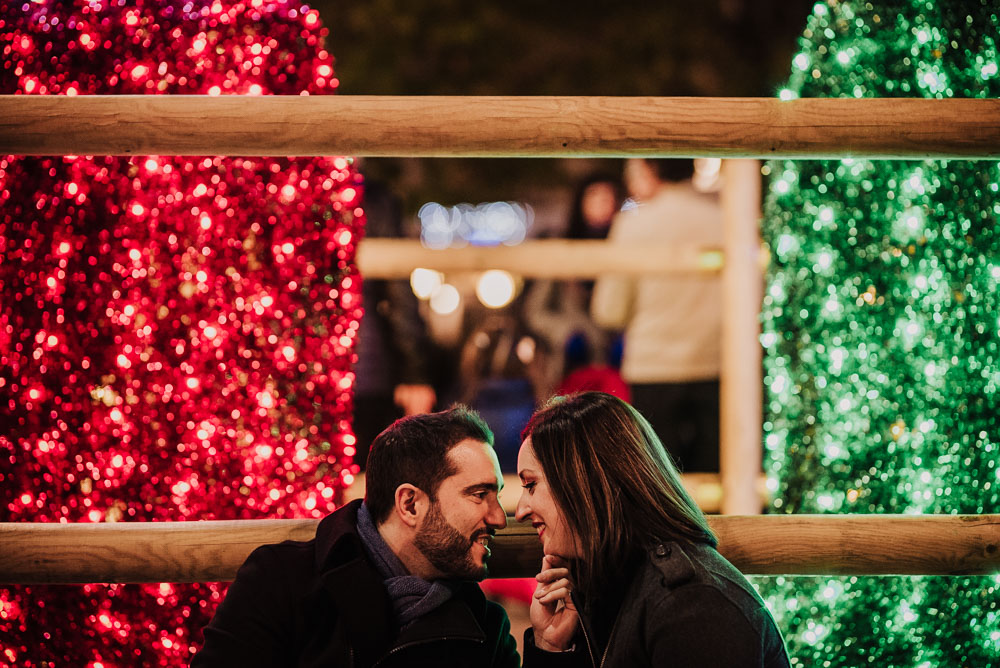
[{"x": 497, "y": 517}]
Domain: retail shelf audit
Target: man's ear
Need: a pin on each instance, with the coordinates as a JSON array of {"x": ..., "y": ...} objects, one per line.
[{"x": 411, "y": 504}]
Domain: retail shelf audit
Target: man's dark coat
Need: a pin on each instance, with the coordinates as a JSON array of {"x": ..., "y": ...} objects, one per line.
[{"x": 322, "y": 603}]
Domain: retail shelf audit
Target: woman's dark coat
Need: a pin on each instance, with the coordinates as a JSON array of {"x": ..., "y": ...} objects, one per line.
[
  {"x": 686, "y": 606},
  {"x": 322, "y": 603}
]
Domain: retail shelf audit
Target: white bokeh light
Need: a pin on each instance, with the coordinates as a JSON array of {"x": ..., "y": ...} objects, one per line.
[
  {"x": 495, "y": 288},
  {"x": 425, "y": 282},
  {"x": 446, "y": 300}
]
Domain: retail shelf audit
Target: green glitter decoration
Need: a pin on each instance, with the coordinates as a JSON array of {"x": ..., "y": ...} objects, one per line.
[{"x": 882, "y": 337}]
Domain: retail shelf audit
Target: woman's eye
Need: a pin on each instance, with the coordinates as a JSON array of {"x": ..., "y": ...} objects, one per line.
[{"x": 528, "y": 486}]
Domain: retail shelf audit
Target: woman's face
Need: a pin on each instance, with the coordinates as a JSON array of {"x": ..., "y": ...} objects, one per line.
[
  {"x": 598, "y": 205},
  {"x": 538, "y": 506}
]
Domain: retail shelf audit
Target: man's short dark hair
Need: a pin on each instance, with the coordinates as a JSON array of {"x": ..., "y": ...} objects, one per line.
[
  {"x": 673, "y": 170},
  {"x": 415, "y": 450}
]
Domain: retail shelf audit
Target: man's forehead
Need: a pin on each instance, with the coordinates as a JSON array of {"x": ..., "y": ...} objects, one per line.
[{"x": 474, "y": 458}]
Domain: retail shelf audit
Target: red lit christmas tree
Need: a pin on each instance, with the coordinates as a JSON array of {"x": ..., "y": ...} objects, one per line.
[{"x": 176, "y": 334}]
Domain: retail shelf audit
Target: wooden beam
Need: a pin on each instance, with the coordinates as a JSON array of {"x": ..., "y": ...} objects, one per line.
[
  {"x": 544, "y": 258},
  {"x": 53, "y": 553},
  {"x": 445, "y": 126},
  {"x": 741, "y": 382}
]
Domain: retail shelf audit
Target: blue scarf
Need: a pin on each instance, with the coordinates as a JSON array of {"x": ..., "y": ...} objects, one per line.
[{"x": 412, "y": 597}]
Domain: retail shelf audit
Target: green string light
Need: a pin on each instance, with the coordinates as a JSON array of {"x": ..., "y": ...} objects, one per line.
[{"x": 882, "y": 338}]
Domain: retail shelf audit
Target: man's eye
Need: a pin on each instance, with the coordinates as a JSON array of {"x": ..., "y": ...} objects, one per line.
[{"x": 480, "y": 495}]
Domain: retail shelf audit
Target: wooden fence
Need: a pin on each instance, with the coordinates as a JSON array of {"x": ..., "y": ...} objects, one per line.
[{"x": 534, "y": 127}]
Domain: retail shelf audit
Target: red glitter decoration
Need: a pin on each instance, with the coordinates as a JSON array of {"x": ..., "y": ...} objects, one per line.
[{"x": 176, "y": 334}]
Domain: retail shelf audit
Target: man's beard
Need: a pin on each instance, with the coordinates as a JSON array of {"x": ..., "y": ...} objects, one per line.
[{"x": 447, "y": 549}]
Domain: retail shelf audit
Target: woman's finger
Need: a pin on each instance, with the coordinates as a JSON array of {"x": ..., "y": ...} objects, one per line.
[
  {"x": 555, "y": 595},
  {"x": 552, "y": 574},
  {"x": 562, "y": 583},
  {"x": 553, "y": 561}
]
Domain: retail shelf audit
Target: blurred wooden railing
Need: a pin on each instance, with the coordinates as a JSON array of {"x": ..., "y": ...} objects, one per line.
[{"x": 396, "y": 258}]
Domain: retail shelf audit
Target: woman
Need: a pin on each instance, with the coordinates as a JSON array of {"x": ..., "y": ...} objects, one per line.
[
  {"x": 650, "y": 589},
  {"x": 498, "y": 369}
]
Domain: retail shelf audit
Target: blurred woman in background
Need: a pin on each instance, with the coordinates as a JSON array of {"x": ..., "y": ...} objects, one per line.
[{"x": 560, "y": 310}]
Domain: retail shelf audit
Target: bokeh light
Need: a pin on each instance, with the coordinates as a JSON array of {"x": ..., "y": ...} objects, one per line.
[
  {"x": 446, "y": 300},
  {"x": 484, "y": 224},
  {"x": 425, "y": 282},
  {"x": 495, "y": 288}
]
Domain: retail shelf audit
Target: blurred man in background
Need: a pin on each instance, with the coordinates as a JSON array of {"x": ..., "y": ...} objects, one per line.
[{"x": 673, "y": 324}]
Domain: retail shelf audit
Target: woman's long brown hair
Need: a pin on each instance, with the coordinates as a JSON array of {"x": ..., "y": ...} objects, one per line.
[{"x": 613, "y": 480}]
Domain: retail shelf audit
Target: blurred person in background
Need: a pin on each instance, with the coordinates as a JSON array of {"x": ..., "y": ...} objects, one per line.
[
  {"x": 673, "y": 324},
  {"x": 497, "y": 370},
  {"x": 560, "y": 310},
  {"x": 584, "y": 374},
  {"x": 393, "y": 371}
]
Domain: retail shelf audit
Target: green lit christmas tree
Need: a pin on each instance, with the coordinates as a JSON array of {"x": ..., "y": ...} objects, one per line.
[{"x": 882, "y": 338}]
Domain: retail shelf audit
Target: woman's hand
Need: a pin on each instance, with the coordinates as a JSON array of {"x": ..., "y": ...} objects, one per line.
[{"x": 553, "y": 615}]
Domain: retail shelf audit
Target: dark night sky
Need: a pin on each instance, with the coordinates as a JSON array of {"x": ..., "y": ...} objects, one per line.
[{"x": 530, "y": 47}]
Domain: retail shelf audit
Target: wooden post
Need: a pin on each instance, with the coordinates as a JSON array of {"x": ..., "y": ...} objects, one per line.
[{"x": 741, "y": 383}]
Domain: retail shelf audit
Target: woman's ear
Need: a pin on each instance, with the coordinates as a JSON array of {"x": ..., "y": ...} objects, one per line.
[{"x": 411, "y": 504}]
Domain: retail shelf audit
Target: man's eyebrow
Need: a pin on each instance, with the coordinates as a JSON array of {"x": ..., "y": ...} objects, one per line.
[{"x": 482, "y": 487}]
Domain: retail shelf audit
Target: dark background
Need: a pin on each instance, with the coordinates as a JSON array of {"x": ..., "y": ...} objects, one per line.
[{"x": 529, "y": 47}]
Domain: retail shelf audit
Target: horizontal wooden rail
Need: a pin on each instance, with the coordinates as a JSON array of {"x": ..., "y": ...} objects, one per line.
[
  {"x": 900, "y": 128},
  {"x": 547, "y": 258},
  {"x": 34, "y": 553}
]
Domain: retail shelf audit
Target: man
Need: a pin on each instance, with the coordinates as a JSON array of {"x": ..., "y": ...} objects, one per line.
[
  {"x": 387, "y": 582},
  {"x": 673, "y": 324}
]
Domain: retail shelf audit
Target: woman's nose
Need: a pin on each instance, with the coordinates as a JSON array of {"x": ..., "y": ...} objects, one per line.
[{"x": 523, "y": 509}]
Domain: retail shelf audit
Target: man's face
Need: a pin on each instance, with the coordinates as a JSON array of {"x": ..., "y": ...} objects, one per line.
[{"x": 458, "y": 524}]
